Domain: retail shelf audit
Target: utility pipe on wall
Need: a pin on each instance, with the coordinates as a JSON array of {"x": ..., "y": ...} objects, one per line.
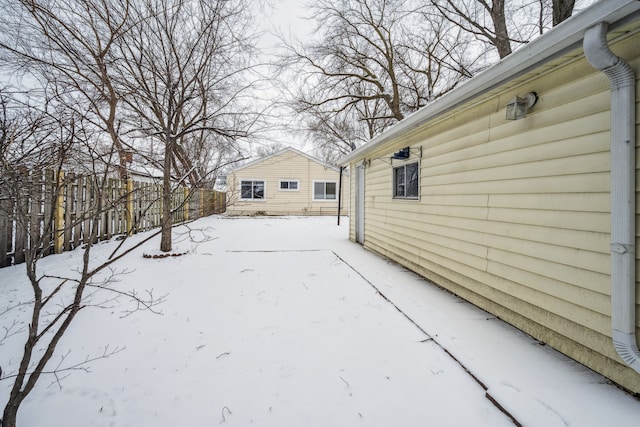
[{"x": 623, "y": 206}]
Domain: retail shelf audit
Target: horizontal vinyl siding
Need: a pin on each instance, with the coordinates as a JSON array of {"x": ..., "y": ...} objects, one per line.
[
  {"x": 515, "y": 215},
  {"x": 285, "y": 166}
]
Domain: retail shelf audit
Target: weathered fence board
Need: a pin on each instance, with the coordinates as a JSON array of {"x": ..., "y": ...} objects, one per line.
[
  {"x": 21, "y": 208},
  {"x": 6, "y": 232},
  {"x": 61, "y": 212}
]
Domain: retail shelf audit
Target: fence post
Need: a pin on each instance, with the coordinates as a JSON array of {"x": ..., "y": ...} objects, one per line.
[
  {"x": 129, "y": 208},
  {"x": 201, "y": 213},
  {"x": 58, "y": 215},
  {"x": 68, "y": 209},
  {"x": 186, "y": 204},
  {"x": 6, "y": 230}
]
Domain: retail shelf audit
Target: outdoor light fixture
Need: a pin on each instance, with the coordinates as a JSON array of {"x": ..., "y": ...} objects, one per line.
[
  {"x": 517, "y": 107},
  {"x": 402, "y": 154}
]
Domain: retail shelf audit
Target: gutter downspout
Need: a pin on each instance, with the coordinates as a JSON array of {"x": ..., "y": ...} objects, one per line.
[{"x": 623, "y": 174}]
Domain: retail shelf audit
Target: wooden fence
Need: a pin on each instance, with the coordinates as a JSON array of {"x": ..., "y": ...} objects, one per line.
[{"x": 60, "y": 213}]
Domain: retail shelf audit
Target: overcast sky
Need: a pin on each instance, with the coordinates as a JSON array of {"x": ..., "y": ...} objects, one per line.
[{"x": 285, "y": 16}]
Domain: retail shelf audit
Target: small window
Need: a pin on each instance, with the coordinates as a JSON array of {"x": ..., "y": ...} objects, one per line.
[
  {"x": 288, "y": 185},
  {"x": 405, "y": 181},
  {"x": 252, "y": 190},
  {"x": 325, "y": 190}
]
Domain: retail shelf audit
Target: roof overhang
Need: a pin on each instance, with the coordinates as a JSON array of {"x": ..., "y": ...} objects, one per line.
[{"x": 556, "y": 42}]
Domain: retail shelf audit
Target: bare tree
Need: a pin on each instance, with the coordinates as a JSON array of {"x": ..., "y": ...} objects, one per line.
[
  {"x": 472, "y": 16},
  {"x": 183, "y": 63},
  {"x": 354, "y": 61},
  {"x": 267, "y": 150},
  {"x": 73, "y": 43},
  {"x": 373, "y": 62},
  {"x": 435, "y": 58},
  {"x": 33, "y": 139},
  {"x": 506, "y": 24},
  {"x": 336, "y": 134},
  {"x": 69, "y": 43}
]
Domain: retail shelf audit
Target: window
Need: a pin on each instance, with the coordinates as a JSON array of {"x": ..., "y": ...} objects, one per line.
[
  {"x": 289, "y": 185},
  {"x": 251, "y": 190},
  {"x": 405, "y": 181},
  {"x": 324, "y": 190}
]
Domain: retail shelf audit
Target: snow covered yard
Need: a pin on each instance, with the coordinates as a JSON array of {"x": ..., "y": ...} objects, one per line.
[{"x": 279, "y": 322}]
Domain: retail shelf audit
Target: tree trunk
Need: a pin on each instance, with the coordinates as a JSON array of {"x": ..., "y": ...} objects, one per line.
[
  {"x": 562, "y": 10},
  {"x": 502, "y": 41},
  {"x": 9, "y": 416},
  {"x": 167, "y": 197}
]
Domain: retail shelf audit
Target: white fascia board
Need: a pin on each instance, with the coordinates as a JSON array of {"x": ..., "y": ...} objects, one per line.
[{"x": 554, "y": 43}]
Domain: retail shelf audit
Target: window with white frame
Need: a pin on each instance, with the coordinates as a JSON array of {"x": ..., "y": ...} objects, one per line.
[
  {"x": 325, "y": 190},
  {"x": 406, "y": 181},
  {"x": 289, "y": 185},
  {"x": 252, "y": 189}
]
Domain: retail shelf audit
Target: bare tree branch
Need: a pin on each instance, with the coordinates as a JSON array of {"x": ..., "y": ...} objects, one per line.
[{"x": 185, "y": 65}]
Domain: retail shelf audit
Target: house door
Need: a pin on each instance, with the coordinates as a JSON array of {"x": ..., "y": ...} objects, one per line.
[{"x": 360, "y": 203}]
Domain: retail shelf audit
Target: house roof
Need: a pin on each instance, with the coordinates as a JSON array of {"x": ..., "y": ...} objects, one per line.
[
  {"x": 291, "y": 149},
  {"x": 557, "y": 42},
  {"x": 146, "y": 170}
]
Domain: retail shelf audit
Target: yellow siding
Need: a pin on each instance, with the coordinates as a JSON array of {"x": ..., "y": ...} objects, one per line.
[
  {"x": 286, "y": 165},
  {"x": 514, "y": 215},
  {"x": 352, "y": 202}
]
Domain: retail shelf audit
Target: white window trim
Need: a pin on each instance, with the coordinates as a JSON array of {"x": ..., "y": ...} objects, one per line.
[
  {"x": 252, "y": 199},
  {"x": 288, "y": 180},
  {"x": 313, "y": 190},
  {"x": 393, "y": 186}
]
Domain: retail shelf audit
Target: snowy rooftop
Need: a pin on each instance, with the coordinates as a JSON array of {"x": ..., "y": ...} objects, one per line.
[{"x": 284, "y": 322}]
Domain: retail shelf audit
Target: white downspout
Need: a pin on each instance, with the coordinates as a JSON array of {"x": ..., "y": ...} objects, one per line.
[{"x": 623, "y": 174}]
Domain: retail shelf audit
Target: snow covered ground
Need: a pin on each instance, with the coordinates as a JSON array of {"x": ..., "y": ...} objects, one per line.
[{"x": 282, "y": 322}]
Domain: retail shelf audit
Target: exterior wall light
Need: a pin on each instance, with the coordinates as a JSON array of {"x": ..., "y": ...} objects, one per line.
[
  {"x": 517, "y": 107},
  {"x": 402, "y": 154}
]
